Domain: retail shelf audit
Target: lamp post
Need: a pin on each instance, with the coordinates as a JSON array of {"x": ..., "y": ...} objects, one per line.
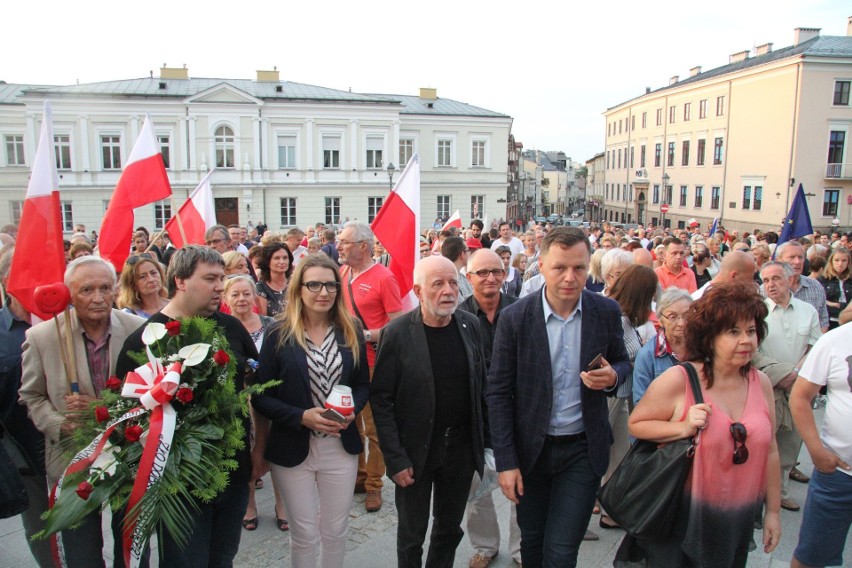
[
  {"x": 391, "y": 169},
  {"x": 665, "y": 206}
]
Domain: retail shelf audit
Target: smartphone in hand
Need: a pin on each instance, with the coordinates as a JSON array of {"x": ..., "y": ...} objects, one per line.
[
  {"x": 597, "y": 362},
  {"x": 332, "y": 414}
]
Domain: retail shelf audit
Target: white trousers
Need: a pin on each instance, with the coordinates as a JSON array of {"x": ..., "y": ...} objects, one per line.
[{"x": 483, "y": 528}]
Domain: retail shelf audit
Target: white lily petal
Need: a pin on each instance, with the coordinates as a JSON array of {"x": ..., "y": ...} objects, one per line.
[
  {"x": 152, "y": 332},
  {"x": 106, "y": 461},
  {"x": 194, "y": 354}
]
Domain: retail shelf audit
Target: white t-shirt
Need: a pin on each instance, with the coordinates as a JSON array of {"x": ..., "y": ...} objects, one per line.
[
  {"x": 830, "y": 363},
  {"x": 515, "y": 245}
]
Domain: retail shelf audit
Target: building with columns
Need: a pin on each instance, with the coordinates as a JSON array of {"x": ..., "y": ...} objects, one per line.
[
  {"x": 735, "y": 142},
  {"x": 284, "y": 153}
]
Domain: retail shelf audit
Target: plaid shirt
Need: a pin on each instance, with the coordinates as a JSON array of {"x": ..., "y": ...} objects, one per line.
[
  {"x": 97, "y": 356},
  {"x": 812, "y": 292}
]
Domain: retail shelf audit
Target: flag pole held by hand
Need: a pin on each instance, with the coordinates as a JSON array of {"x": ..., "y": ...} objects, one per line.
[{"x": 54, "y": 299}]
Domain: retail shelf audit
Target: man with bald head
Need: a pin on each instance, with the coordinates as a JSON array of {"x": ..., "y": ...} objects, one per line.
[
  {"x": 737, "y": 266},
  {"x": 642, "y": 256},
  {"x": 427, "y": 406}
]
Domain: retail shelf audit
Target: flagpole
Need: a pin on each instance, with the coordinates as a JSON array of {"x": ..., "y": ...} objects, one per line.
[
  {"x": 154, "y": 240},
  {"x": 179, "y": 222}
]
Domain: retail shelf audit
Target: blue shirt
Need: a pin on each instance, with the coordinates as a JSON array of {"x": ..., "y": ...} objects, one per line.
[{"x": 563, "y": 338}]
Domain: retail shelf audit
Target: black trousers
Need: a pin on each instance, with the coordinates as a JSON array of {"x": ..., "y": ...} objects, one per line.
[{"x": 446, "y": 480}]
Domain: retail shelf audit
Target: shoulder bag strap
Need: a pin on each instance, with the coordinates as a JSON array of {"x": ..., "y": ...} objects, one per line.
[
  {"x": 699, "y": 398},
  {"x": 348, "y": 278}
]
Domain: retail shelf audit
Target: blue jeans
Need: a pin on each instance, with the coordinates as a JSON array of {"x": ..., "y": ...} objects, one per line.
[
  {"x": 215, "y": 537},
  {"x": 825, "y": 519},
  {"x": 554, "y": 511}
]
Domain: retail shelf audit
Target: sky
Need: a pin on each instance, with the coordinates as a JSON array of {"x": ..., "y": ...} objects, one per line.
[{"x": 553, "y": 66}]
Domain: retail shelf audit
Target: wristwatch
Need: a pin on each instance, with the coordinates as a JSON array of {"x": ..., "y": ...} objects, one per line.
[{"x": 368, "y": 336}]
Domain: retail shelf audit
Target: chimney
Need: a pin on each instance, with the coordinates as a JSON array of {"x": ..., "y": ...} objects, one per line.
[
  {"x": 695, "y": 71},
  {"x": 763, "y": 49},
  {"x": 427, "y": 93},
  {"x": 647, "y": 90},
  {"x": 268, "y": 76},
  {"x": 674, "y": 79},
  {"x": 801, "y": 35},
  {"x": 739, "y": 56},
  {"x": 849, "y": 27},
  {"x": 174, "y": 72}
]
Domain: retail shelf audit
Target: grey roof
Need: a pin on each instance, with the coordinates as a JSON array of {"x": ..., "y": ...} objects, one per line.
[
  {"x": 827, "y": 46},
  {"x": 416, "y": 105},
  {"x": 9, "y": 92}
]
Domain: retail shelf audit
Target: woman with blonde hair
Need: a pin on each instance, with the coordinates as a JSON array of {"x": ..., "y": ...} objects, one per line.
[
  {"x": 837, "y": 281},
  {"x": 235, "y": 263},
  {"x": 142, "y": 286},
  {"x": 314, "y": 347}
]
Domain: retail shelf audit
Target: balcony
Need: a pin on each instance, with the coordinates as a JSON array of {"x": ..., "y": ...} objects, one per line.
[{"x": 838, "y": 171}]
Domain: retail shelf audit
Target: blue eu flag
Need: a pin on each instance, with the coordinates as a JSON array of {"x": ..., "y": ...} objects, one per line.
[{"x": 798, "y": 221}]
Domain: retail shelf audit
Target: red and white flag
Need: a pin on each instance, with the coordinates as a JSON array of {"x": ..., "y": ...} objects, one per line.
[
  {"x": 196, "y": 215},
  {"x": 397, "y": 223},
  {"x": 453, "y": 221},
  {"x": 39, "y": 250},
  {"x": 144, "y": 180}
]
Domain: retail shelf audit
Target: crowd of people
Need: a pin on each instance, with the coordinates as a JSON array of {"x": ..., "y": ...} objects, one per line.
[{"x": 531, "y": 363}]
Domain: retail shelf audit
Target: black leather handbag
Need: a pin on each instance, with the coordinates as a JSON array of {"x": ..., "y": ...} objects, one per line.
[
  {"x": 13, "y": 494},
  {"x": 645, "y": 493}
]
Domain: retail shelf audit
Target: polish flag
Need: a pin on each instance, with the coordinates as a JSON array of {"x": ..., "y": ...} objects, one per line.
[
  {"x": 144, "y": 180},
  {"x": 453, "y": 221},
  {"x": 196, "y": 215},
  {"x": 397, "y": 222},
  {"x": 39, "y": 250}
]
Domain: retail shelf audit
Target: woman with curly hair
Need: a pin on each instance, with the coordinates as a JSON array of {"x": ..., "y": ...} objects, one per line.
[
  {"x": 736, "y": 466},
  {"x": 142, "y": 286},
  {"x": 276, "y": 265}
]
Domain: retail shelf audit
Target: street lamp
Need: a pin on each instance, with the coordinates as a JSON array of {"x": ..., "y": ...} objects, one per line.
[
  {"x": 665, "y": 206},
  {"x": 391, "y": 169}
]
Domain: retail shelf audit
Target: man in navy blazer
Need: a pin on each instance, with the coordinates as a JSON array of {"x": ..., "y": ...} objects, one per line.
[{"x": 546, "y": 398}]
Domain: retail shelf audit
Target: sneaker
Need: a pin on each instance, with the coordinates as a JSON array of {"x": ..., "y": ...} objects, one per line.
[
  {"x": 480, "y": 561},
  {"x": 374, "y": 501},
  {"x": 590, "y": 536}
]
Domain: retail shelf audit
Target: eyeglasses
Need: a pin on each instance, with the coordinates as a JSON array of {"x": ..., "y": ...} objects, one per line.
[
  {"x": 342, "y": 243},
  {"x": 495, "y": 272},
  {"x": 675, "y": 317},
  {"x": 739, "y": 433},
  {"x": 131, "y": 260},
  {"x": 215, "y": 242},
  {"x": 330, "y": 287}
]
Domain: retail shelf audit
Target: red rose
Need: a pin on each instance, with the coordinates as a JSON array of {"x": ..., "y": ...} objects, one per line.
[
  {"x": 113, "y": 384},
  {"x": 221, "y": 358},
  {"x": 102, "y": 413},
  {"x": 184, "y": 395},
  {"x": 84, "y": 490},
  {"x": 133, "y": 433},
  {"x": 173, "y": 327}
]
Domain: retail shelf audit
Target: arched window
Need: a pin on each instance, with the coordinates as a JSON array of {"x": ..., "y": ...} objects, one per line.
[{"x": 224, "y": 139}]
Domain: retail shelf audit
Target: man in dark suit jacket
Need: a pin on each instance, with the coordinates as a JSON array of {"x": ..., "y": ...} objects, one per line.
[
  {"x": 548, "y": 414},
  {"x": 427, "y": 406}
]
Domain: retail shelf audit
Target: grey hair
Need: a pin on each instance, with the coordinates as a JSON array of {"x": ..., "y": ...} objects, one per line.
[
  {"x": 83, "y": 260},
  {"x": 816, "y": 250},
  {"x": 779, "y": 250},
  {"x": 785, "y": 266},
  {"x": 671, "y": 296},
  {"x": 315, "y": 241},
  {"x": 615, "y": 258},
  {"x": 185, "y": 260},
  {"x": 362, "y": 231},
  {"x": 6, "y": 263},
  {"x": 208, "y": 235}
]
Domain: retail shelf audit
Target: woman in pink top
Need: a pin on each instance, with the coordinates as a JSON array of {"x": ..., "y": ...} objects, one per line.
[{"x": 736, "y": 467}]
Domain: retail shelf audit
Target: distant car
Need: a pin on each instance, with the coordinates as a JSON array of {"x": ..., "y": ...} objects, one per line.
[
  {"x": 541, "y": 219},
  {"x": 553, "y": 218}
]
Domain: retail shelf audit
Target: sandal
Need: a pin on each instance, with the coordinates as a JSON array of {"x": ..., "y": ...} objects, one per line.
[
  {"x": 258, "y": 483},
  {"x": 597, "y": 509},
  {"x": 608, "y": 523},
  {"x": 283, "y": 525},
  {"x": 250, "y": 524}
]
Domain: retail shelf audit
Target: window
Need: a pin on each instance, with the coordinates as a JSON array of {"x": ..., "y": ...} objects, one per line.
[
  {"x": 747, "y": 197},
  {"x": 330, "y": 155},
  {"x": 672, "y": 113},
  {"x": 111, "y": 152},
  {"x": 841, "y": 92},
  {"x": 445, "y": 153},
  {"x": 758, "y": 198},
  {"x": 477, "y": 204},
  {"x": 619, "y": 158},
  {"x": 162, "y": 214},
  {"x": 669, "y": 194},
  {"x": 633, "y": 122},
  {"x": 717, "y": 152},
  {"x": 699, "y": 196},
  {"x": 714, "y": 197},
  {"x": 631, "y": 156},
  {"x": 702, "y": 108},
  {"x": 642, "y": 156},
  {"x": 607, "y": 160},
  {"x": 332, "y": 210},
  {"x": 477, "y": 154},
  {"x": 644, "y": 120},
  {"x": 607, "y": 191},
  {"x": 618, "y": 192},
  {"x": 659, "y": 117},
  {"x": 683, "y": 195},
  {"x": 829, "y": 202},
  {"x": 656, "y": 193},
  {"x": 608, "y": 129},
  {"x": 658, "y": 149},
  {"x": 375, "y": 144},
  {"x": 406, "y": 150},
  {"x": 373, "y": 206},
  {"x": 619, "y": 126},
  {"x": 288, "y": 211},
  {"x": 286, "y": 152},
  {"x": 836, "y": 143},
  {"x": 684, "y": 153},
  {"x": 67, "y": 214},
  {"x": 163, "y": 143},
  {"x": 223, "y": 139},
  {"x": 720, "y": 105},
  {"x": 702, "y": 146},
  {"x": 62, "y": 146},
  {"x": 443, "y": 206},
  {"x": 17, "y": 210},
  {"x": 15, "y": 150},
  {"x": 670, "y": 156},
  {"x": 687, "y": 111}
]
